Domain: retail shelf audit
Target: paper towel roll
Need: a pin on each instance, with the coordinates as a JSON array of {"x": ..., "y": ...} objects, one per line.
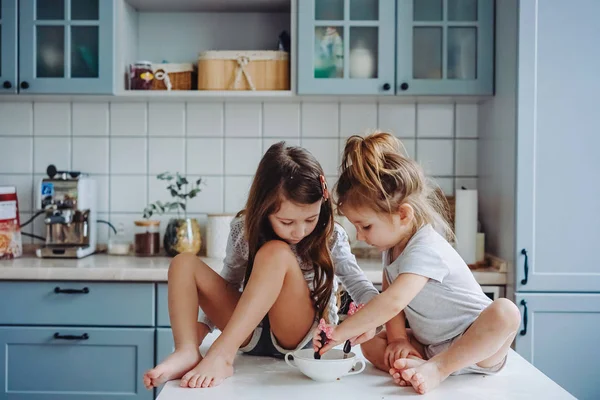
[
  {"x": 217, "y": 232},
  {"x": 465, "y": 224},
  {"x": 480, "y": 257}
]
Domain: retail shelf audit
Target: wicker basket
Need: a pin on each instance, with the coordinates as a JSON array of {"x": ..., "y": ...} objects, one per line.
[
  {"x": 172, "y": 76},
  {"x": 243, "y": 70}
]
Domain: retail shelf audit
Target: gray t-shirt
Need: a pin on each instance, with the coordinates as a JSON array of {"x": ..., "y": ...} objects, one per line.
[
  {"x": 346, "y": 269},
  {"x": 451, "y": 299}
]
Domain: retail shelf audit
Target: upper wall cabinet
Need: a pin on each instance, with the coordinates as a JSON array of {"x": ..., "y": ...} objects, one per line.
[
  {"x": 445, "y": 47},
  {"x": 433, "y": 47},
  {"x": 8, "y": 46},
  {"x": 346, "y": 46},
  {"x": 66, "y": 46}
]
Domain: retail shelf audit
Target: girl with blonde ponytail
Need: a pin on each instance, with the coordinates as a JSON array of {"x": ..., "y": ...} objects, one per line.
[{"x": 454, "y": 327}]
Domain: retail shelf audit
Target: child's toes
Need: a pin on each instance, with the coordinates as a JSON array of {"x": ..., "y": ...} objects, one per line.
[
  {"x": 401, "y": 364},
  {"x": 408, "y": 374},
  {"x": 418, "y": 379},
  {"x": 206, "y": 382}
]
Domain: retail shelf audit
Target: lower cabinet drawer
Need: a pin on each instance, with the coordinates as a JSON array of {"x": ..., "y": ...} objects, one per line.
[
  {"x": 52, "y": 363},
  {"x": 77, "y": 303}
]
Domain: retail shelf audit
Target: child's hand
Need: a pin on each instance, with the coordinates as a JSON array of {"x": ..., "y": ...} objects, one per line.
[
  {"x": 399, "y": 348},
  {"x": 365, "y": 337},
  {"x": 329, "y": 330}
]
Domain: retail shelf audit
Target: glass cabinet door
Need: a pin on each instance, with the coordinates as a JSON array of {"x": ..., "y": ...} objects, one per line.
[
  {"x": 66, "y": 46},
  {"x": 346, "y": 46},
  {"x": 8, "y": 46},
  {"x": 445, "y": 47}
]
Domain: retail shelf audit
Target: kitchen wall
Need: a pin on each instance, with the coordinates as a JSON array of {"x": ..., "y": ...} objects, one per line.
[{"x": 124, "y": 145}]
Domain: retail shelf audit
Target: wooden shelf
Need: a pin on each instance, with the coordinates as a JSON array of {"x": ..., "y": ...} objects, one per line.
[
  {"x": 192, "y": 94},
  {"x": 211, "y": 5}
]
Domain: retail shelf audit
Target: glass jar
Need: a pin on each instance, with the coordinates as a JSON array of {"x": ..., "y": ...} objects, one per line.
[
  {"x": 141, "y": 76},
  {"x": 147, "y": 238},
  {"x": 118, "y": 245}
]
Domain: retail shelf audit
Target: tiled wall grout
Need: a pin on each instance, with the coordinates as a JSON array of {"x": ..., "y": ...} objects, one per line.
[{"x": 124, "y": 120}]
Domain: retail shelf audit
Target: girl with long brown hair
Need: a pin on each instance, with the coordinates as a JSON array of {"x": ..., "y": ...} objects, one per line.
[
  {"x": 455, "y": 327},
  {"x": 279, "y": 276}
]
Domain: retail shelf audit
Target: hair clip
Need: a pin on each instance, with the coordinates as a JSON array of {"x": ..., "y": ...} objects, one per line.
[{"x": 324, "y": 187}]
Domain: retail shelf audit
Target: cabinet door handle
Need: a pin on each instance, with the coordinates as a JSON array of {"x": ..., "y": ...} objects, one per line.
[
  {"x": 404, "y": 86},
  {"x": 85, "y": 336},
  {"x": 525, "y": 267},
  {"x": 24, "y": 85},
  {"x": 85, "y": 290},
  {"x": 7, "y": 85},
  {"x": 524, "y": 330},
  {"x": 386, "y": 86}
]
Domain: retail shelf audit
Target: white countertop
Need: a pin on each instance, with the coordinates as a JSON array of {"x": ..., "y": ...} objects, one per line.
[
  {"x": 266, "y": 378},
  {"x": 103, "y": 267}
]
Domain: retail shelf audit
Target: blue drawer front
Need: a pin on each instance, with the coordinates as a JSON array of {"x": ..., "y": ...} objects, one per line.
[
  {"x": 109, "y": 364},
  {"x": 93, "y": 303}
]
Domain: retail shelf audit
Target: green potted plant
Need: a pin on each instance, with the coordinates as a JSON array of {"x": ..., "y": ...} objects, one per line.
[{"x": 183, "y": 233}]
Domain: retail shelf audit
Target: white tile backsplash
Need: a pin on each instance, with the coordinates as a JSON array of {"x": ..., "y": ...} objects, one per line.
[
  {"x": 166, "y": 155},
  {"x": 90, "y": 119},
  {"x": 467, "y": 183},
  {"x": 466, "y": 120},
  {"x": 436, "y": 157},
  {"x": 325, "y": 151},
  {"x": 398, "y": 119},
  {"x": 281, "y": 120},
  {"x": 466, "y": 157},
  {"x": 435, "y": 120},
  {"x": 204, "y": 119},
  {"x": 242, "y": 156},
  {"x": 124, "y": 146},
  {"x": 210, "y": 198},
  {"x": 357, "y": 119},
  {"x": 16, "y": 119},
  {"x": 90, "y": 155},
  {"x": 236, "y": 192},
  {"x": 52, "y": 119},
  {"x": 446, "y": 184},
  {"x": 166, "y": 119},
  {"x": 243, "y": 119},
  {"x": 128, "y": 156},
  {"x": 205, "y": 156},
  {"x": 320, "y": 120},
  {"x": 409, "y": 147},
  {"x": 128, "y": 194},
  {"x": 16, "y": 155},
  {"x": 51, "y": 150},
  {"x": 128, "y": 119}
]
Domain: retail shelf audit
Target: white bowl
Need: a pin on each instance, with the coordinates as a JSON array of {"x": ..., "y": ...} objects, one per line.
[{"x": 330, "y": 367}]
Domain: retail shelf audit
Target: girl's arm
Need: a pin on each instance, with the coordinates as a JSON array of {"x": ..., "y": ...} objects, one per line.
[
  {"x": 353, "y": 278},
  {"x": 395, "y": 327},
  {"x": 379, "y": 310}
]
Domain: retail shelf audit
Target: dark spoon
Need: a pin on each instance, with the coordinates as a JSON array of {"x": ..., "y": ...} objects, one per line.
[{"x": 323, "y": 342}]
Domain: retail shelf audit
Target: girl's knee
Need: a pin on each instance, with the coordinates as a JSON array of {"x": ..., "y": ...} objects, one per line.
[
  {"x": 506, "y": 313},
  {"x": 185, "y": 263},
  {"x": 274, "y": 250}
]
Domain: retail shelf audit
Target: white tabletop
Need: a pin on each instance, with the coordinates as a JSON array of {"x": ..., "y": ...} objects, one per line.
[{"x": 267, "y": 378}]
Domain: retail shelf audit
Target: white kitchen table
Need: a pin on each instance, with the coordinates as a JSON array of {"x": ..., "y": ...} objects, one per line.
[{"x": 266, "y": 378}]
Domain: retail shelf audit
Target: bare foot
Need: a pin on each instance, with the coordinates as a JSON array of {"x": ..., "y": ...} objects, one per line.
[
  {"x": 424, "y": 377},
  {"x": 209, "y": 372},
  {"x": 173, "y": 367},
  {"x": 402, "y": 364}
]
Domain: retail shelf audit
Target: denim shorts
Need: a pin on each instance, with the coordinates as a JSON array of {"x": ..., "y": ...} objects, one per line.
[{"x": 263, "y": 342}]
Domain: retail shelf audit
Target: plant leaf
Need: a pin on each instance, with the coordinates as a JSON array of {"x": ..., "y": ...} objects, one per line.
[{"x": 182, "y": 206}]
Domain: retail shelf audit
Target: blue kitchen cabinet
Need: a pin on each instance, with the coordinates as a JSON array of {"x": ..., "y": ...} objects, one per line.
[
  {"x": 67, "y": 363},
  {"x": 66, "y": 46},
  {"x": 558, "y": 336},
  {"x": 346, "y": 47},
  {"x": 8, "y": 46},
  {"x": 445, "y": 47},
  {"x": 164, "y": 347}
]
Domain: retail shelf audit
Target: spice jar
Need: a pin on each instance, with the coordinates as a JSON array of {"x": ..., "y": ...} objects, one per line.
[
  {"x": 141, "y": 75},
  {"x": 147, "y": 238}
]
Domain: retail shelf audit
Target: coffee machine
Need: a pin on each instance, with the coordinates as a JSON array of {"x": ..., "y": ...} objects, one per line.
[{"x": 68, "y": 200}]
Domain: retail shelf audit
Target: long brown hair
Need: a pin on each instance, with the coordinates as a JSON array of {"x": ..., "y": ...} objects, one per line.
[
  {"x": 291, "y": 173},
  {"x": 376, "y": 174}
]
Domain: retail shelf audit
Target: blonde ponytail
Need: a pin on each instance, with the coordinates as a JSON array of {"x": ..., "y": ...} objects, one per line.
[{"x": 375, "y": 173}]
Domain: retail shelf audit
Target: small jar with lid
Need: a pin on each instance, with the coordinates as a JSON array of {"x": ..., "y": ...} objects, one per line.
[
  {"x": 141, "y": 75},
  {"x": 147, "y": 238},
  {"x": 118, "y": 245}
]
